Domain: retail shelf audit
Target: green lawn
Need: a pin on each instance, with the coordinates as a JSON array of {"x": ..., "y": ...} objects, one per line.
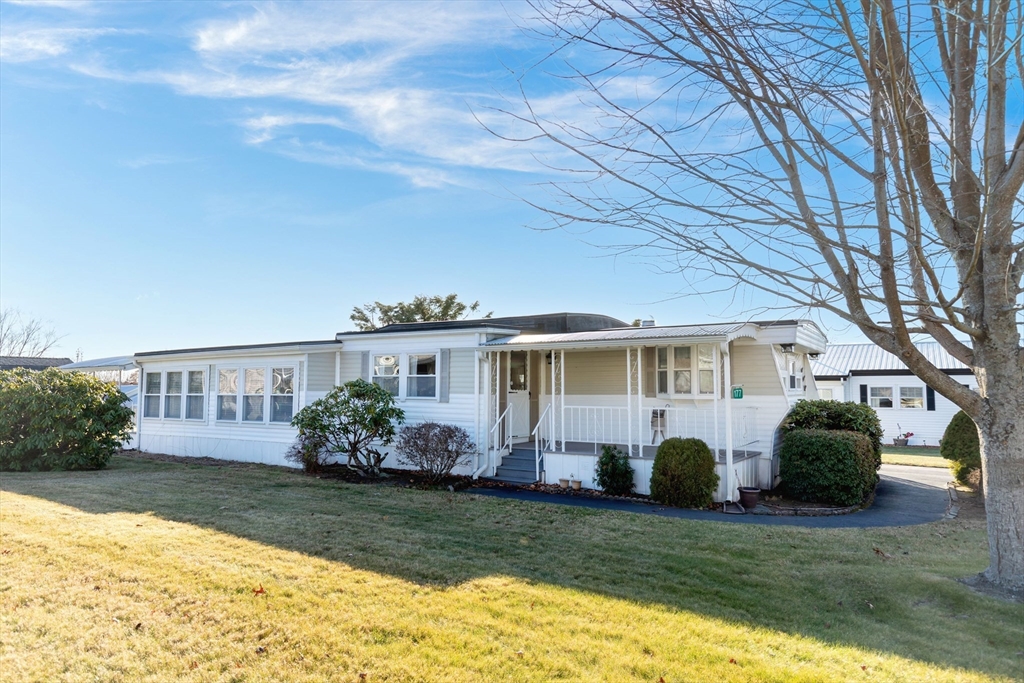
[
  {"x": 149, "y": 571},
  {"x": 922, "y": 456}
]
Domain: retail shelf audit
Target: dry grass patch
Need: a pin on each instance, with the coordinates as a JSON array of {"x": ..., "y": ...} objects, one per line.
[{"x": 151, "y": 571}]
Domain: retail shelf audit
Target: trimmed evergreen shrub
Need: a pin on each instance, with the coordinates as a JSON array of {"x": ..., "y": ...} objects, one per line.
[
  {"x": 57, "y": 420},
  {"x": 838, "y": 415},
  {"x": 960, "y": 445},
  {"x": 614, "y": 473},
  {"x": 684, "y": 473},
  {"x": 828, "y": 466}
]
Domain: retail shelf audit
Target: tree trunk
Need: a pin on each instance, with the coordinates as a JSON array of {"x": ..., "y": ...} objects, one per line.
[{"x": 1002, "y": 458}]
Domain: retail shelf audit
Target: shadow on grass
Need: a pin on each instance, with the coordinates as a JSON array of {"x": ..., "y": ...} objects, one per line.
[{"x": 889, "y": 590}]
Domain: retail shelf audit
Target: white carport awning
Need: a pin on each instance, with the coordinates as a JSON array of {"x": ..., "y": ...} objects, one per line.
[{"x": 100, "y": 364}]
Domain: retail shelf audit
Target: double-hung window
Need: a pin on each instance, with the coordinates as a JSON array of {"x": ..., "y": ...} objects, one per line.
[
  {"x": 172, "y": 396},
  {"x": 282, "y": 396},
  {"x": 195, "y": 399},
  {"x": 911, "y": 397},
  {"x": 253, "y": 397},
  {"x": 385, "y": 373},
  {"x": 151, "y": 405},
  {"x": 880, "y": 397},
  {"x": 676, "y": 368},
  {"x": 227, "y": 394},
  {"x": 422, "y": 380}
]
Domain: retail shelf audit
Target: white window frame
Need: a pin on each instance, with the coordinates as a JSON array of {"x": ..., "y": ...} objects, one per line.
[
  {"x": 892, "y": 396},
  {"x": 794, "y": 374},
  {"x": 268, "y": 387},
  {"x": 159, "y": 395},
  {"x": 163, "y": 395},
  {"x": 402, "y": 358},
  {"x": 186, "y": 394},
  {"x": 399, "y": 375},
  {"x": 923, "y": 397},
  {"x": 695, "y": 370},
  {"x": 404, "y": 388},
  {"x": 271, "y": 394}
]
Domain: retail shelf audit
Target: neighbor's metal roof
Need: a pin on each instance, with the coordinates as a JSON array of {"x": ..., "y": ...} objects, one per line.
[
  {"x": 839, "y": 360},
  {"x": 622, "y": 334},
  {"x": 30, "y": 362}
]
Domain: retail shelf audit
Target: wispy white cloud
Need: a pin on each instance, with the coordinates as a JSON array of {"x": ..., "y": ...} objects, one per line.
[
  {"x": 391, "y": 75},
  {"x": 42, "y": 43}
]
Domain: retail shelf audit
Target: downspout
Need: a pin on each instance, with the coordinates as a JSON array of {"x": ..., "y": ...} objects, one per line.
[{"x": 476, "y": 407}]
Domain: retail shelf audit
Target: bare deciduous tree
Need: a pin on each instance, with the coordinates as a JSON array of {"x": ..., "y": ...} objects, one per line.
[
  {"x": 26, "y": 338},
  {"x": 856, "y": 158}
]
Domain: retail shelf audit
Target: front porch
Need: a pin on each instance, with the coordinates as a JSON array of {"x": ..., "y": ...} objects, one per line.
[{"x": 550, "y": 412}]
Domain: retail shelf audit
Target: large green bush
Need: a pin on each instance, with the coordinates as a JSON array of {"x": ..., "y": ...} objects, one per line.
[
  {"x": 961, "y": 446},
  {"x": 355, "y": 420},
  {"x": 614, "y": 473},
  {"x": 57, "y": 420},
  {"x": 828, "y": 466},
  {"x": 684, "y": 473},
  {"x": 838, "y": 415}
]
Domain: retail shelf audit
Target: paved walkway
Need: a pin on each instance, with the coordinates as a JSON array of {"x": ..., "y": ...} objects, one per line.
[{"x": 905, "y": 496}]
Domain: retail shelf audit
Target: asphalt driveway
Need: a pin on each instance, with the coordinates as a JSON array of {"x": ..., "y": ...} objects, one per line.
[{"x": 905, "y": 496}]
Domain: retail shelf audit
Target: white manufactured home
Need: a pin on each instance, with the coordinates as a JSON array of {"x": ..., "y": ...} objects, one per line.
[
  {"x": 866, "y": 373},
  {"x": 539, "y": 394}
]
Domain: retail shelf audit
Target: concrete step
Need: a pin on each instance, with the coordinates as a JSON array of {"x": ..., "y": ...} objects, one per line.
[{"x": 512, "y": 479}]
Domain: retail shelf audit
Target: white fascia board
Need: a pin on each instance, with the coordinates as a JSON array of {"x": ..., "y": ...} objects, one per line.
[
  {"x": 605, "y": 344},
  {"x": 251, "y": 352},
  {"x": 373, "y": 338}
]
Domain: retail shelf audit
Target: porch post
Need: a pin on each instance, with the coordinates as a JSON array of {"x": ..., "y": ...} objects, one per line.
[
  {"x": 640, "y": 438},
  {"x": 716, "y": 378},
  {"x": 629, "y": 401},
  {"x": 728, "y": 421},
  {"x": 561, "y": 388},
  {"x": 551, "y": 418}
]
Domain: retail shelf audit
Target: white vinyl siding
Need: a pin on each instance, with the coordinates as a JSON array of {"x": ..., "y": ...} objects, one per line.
[{"x": 320, "y": 371}]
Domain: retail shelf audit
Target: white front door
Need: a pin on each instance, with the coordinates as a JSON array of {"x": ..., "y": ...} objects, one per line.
[{"x": 519, "y": 394}]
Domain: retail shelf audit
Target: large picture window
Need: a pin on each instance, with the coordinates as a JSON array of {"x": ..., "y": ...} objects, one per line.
[
  {"x": 685, "y": 371},
  {"x": 151, "y": 406},
  {"x": 252, "y": 399},
  {"x": 195, "y": 399},
  {"x": 385, "y": 373},
  {"x": 282, "y": 396},
  {"x": 422, "y": 380},
  {"x": 227, "y": 395}
]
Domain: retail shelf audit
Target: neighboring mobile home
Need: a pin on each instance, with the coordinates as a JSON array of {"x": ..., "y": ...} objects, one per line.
[
  {"x": 539, "y": 394},
  {"x": 866, "y": 373}
]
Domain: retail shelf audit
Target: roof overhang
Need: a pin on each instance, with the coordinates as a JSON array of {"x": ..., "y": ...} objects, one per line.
[
  {"x": 463, "y": 331},
  {"x": 278, "y": 349},
  {"x": 102, "y": 364}
]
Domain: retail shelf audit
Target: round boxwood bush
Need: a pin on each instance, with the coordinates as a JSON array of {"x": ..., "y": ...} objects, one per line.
[
  {"x": 960, "y": 445},
  {"x": 614, "y": 473},
  {"x": 828, "y": 466},
  {"x": 684, "y": 473},
  {"x": 838, "y": 415},
  {"x": 57, "y": 420}
]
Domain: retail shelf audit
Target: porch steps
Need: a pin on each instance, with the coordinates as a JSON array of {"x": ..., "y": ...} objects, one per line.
[{"x": 518, "y": 467}]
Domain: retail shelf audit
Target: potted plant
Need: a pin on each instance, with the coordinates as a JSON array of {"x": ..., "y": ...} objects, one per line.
[
  {"x": 903, "y": 438},
  {"x": 749, "y": 496}
]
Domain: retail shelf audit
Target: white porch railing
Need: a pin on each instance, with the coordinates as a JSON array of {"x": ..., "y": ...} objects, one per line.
[
  {"x": 501, "y": 432},
  {"x": 599, "y": 425},
  {"x": 542, "y": 439}
]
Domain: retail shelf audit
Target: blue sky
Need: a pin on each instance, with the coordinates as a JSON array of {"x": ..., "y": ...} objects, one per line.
[{"x": 177, "y": 174}]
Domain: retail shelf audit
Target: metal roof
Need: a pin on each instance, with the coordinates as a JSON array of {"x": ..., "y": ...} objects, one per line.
[
  {"x": 241, "y": 347},
  {"x": 839, "y": 360},
  {"x": 30, "y": 363},
  {"x": 112, "y": 363},
  {"x": 622, "y": 334}
]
